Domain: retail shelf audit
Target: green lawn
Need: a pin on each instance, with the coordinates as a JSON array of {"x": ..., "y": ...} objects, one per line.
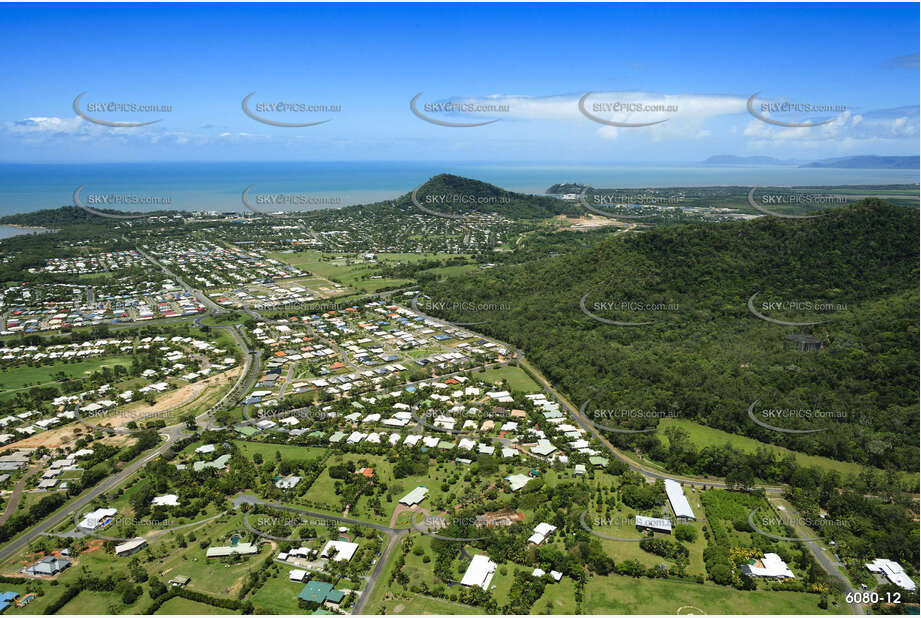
[
  {"x": 518, "y": 380},
  {"x": 288, "y": 451},
  {"x": 180, "y": 606},
  {"x": 98, "y": 603},
  {"x": 19, "y": 377},
  {"x": 278, "y": 595},
  {"x": 453, "y": 271},
  {"x": 353, "y": 275},
  {"x": 558, "y": 598},
  {"x": 615, "y": 594},
  {"x": 166, "y": 559}
]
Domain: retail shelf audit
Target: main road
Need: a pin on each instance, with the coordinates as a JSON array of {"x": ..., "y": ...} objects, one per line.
[{"x": 252, "y": 367}]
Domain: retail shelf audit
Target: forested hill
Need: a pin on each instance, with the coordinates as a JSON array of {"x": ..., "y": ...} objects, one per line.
[
  {"x": 68, "y": 215},
  {"x": 706, "y": 357},
  {"x": 451, "y": 194}
]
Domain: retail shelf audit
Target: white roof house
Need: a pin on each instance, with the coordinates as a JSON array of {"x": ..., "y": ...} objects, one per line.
[
  {"x": 654, "y": 523},
  {"x": 541, "y": 532},
  {"x": 167, "y": 500},
  {"x": 770, "y": 566},
  {"x": 130, "y": 547},
  {"x": 342, "y": 551},
  {"x": 92, "y": 520},
  {"x": 893, "y": 572},
  {"x": 479, "y": 572},
  {"x": 287, "y": 482},
  {"x": 412, "y": 439},
  {"x": 415, "y": 496},
  {"x": 517, "y": 481},
  {"x": 543, "y": 448},
  {"x": 679, "y": 502},
  {"x": 296, "y": 575}
]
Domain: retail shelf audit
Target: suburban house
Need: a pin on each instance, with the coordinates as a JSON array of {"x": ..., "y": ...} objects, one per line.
[
  {"x": 543, "y": 449},
  {"x": 297, "y": 575},
  {"x": 287, "y": 482},
  {"x": 541, "y": 532},
  {"x": 6, "y": 598},
  {"x": 892, "y": 571},
  {"x": 479, "y": 572},
  {"x": 556, "y": 575},
  {"x": 167, "y": 500},
  {"x": 97, "y": 519},
  {"x": 415, "y": 496},
  {"x": 656, "y": 524},
  {"x": 49, "y": 565},
  {"x": 130, "y": 547},
  {"x": 244, "y": 549},
  {"x": 771, "y": 566},
  {"x": 339, "y": 551},
  {"x": 218, "y": 464},
  {"x": 517, "y": 481},
  {"x": 321, "y": 593},
  {"x": 677, "y": 499}
]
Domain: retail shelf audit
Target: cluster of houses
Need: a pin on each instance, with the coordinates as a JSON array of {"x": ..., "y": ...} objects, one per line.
[
  {"x": 207, "y": 458},
  {"x": 106, "y": 261},
  {"x": 55, "y": 466},
  {"x": 186, "y": 358},
  {"x": 365, "y": 340},
  {"x": 397, "y": 231},
  {"x": 212, "y": 265},
  {"x": 62, "y": 351},
  {"x": 464, "y": 417},
  {"x": 272, "y": 295},
  {"x": 51, "y": 306}
]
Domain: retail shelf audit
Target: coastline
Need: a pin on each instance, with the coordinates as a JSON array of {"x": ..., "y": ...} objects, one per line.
[{"x": 11, "y": 230}]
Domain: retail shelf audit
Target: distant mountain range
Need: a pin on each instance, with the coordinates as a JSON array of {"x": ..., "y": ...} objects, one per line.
[
  {"x": 757, "y": 160},
  {"x": 870, "y": 162},
  {"x": 867, "y": 162}
]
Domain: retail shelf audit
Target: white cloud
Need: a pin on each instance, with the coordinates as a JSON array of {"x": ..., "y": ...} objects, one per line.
[{"x": 873, "y": 126}]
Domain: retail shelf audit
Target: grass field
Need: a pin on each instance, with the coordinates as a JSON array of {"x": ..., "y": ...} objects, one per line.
[
  {"x": 98, "y": 603},
  {"x": 288, "y": 451},
  {"x": 615, "y": 594},
  {"x": 337, "y": 268},
  {"x": 453, "y": 271},
  {"x": 19, "y": 377},
  {"x": 518, "y": 380},
  {"x": 706, "y": 436},
  {"x": 180, "y": 606},
  {"x": 278, "y": 595},
  {"x": 558, "y": 598},
  {"x": 166, "y": 559}
]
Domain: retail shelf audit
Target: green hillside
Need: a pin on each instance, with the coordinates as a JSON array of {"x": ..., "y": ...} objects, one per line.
[{"x": 706, "y": 357}]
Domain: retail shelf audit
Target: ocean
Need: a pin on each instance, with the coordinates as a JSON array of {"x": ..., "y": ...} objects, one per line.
[{"x": 218, "y": 186}]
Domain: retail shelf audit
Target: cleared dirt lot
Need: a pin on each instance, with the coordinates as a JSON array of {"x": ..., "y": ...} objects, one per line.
[{"x": 70, "y": 433}]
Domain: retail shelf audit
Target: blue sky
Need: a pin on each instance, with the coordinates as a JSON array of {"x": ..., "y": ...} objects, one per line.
[{"x": 703, "y": 60}]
